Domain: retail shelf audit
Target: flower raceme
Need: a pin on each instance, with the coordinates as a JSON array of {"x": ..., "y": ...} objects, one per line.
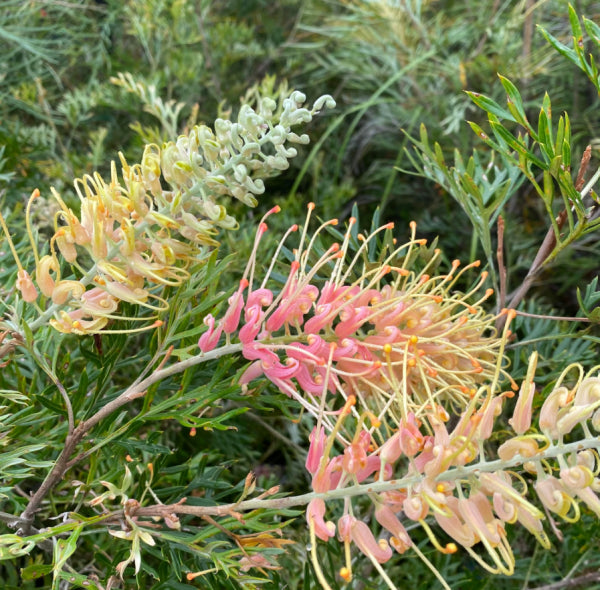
[
  {"x": 390, "y": 335},
  {"x": 143, "y": 229},
  {"x": 383, "y": 355},
  {"x": 455, "y": 478}
]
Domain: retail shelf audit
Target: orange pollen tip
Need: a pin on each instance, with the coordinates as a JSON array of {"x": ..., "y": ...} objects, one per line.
[
  {"x": 375, "y": 422},
  {"x": 294, "y": 227},
  {"x": 76, "y": 324},
  {"x": 193, "y": 431},
  {"x": 414, "y": 339},
  {"x": 394, "y": 241},
  {"x": 157, "y": 324},
  {"x": 451, "y": 548},
  {"x": 411, "y": 362},
  {"x": 376, "y": 365},
  {"x": 361, "y": 238},
  {"x": 471, "y": 309},
  {"x": 345, "y": 574},
  {"x": 333, "y": 222},
  {"x": 455, "y": 263},
  {"x": 424, "y": 279},
  {"x": 262, "y": 228},
  {"x": 489, "y": 292},
  {"x": 352, "y": 221},
  {"x": 413, "y": 224},
  {"x": 422, "y": 242},
  {"x": 432, "y": 372},
  {"x": 438, "y": 298},
  {"x": 275, "y": 209},
  {"x": 335, "y": 247},
  {"x": 440, "y": 488},
  {"x": 311, "y": 206},
  {"x": 128, "y": 458},
  {"x": 295, "y": 265},
  {"x": 387, "y": 348},
  {"x": 389, "y": 225},
  {"x": 421, "y": 353},
  {"x": 189, "y": 577}
]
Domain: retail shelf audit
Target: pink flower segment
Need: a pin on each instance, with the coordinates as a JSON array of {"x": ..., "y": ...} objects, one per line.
[{"x": 382, "y": 332}]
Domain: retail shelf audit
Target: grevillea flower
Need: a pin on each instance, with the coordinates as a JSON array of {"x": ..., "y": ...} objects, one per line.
[
  {"x": 428, "y": 472},
  {"x": 141, "y": 230},
  {"x": 392, "y": 336}
]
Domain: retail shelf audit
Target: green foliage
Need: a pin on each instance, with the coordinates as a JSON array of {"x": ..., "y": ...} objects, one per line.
[{"x": 406, "y": 76}]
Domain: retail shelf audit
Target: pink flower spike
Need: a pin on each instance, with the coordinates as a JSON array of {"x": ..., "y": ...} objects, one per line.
[
  {"x": 345, "y": 527},
  {"x": 254, "y": 371},
  {"x": 260, "y": 297},
  {"x": 315, "y": 513},
  {"x": 415, "y": 508},
  {"x": 26, "y": 286},
  {"x": 253, "y": 317},
  {"x": 521, "y": 419},
  {"x": 355, "y": 458},
  {"x": 283, "y": 371},
  {"x": 352, "y": 319},
  {"x": 209, "y": 340},
  {"x": 315, "y": 450},
  {"x": 390, "y": 450},
  {"x": 400, "y": 540},
  {"x": 411, "y": 439},
  {"x": 362, "y": 536},
  {"x": 231, "y": 319},
  {"x": 554, "y": 402}
]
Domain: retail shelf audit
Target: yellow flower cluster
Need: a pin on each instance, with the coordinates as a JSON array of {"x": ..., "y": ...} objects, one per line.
[{"x": 143, "y": 229}]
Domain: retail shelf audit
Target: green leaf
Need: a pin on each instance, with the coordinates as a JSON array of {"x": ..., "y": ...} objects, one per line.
[
  {"x": 63, "y": 549},
  {"x": 592, "y": 29},
  {"x": 575, "y": 24},
  {"x": 515, "y": 103},
  {"x": 490, "y": 106},
  {"x": 32, "y": 572},
  {"x": 517, "y": 144},
  {"x": 78, "y": 580},
  {"x": 565, "y": 51}
]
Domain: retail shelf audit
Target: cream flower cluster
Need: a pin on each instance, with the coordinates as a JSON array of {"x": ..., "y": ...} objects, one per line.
[{"x": 140, "y": 230}]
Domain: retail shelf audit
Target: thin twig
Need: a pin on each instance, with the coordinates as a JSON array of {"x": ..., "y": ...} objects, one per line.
[
  {"x": 582, "y": 580},
  {"x": 132, "y": 393},
  {"x": 549, "y": 242}
]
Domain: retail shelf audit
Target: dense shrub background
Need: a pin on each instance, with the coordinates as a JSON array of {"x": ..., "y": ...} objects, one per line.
[{"x": 391, "y": 65}]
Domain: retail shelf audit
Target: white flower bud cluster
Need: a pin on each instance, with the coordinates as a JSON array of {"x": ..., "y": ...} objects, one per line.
[{"x": 204, "y": 166}]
